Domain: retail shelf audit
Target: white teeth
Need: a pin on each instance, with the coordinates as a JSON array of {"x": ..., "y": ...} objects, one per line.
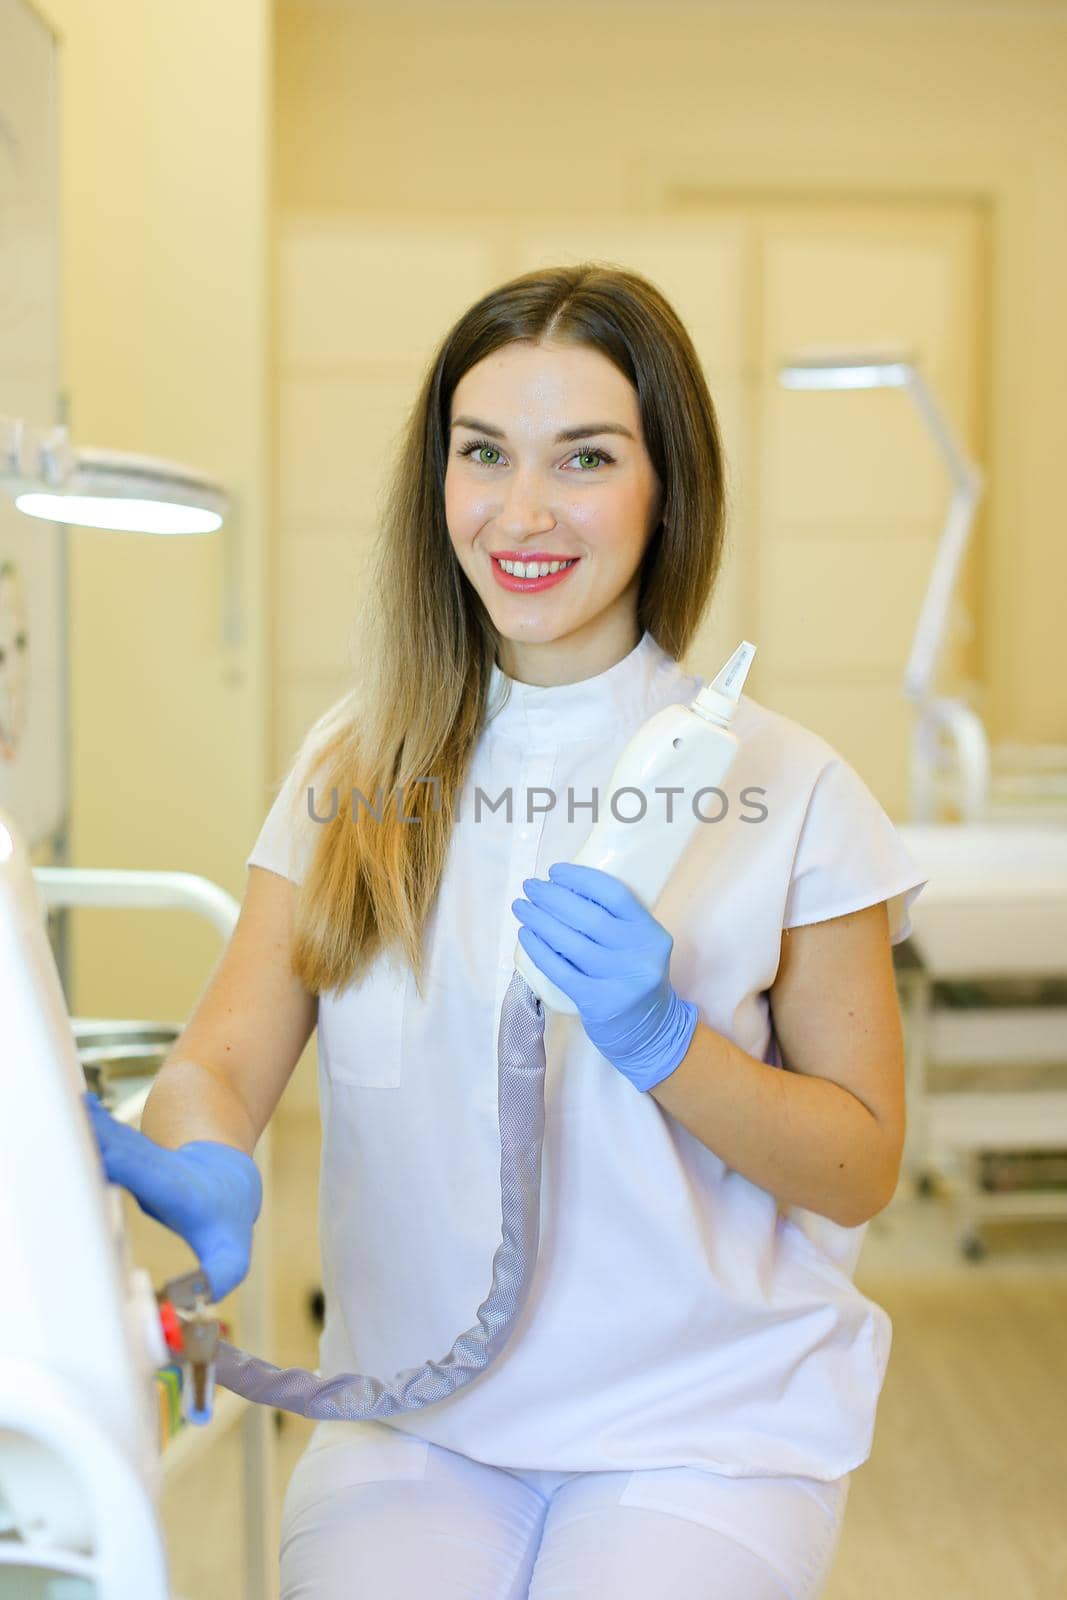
[{"x": 534, "y": 569}]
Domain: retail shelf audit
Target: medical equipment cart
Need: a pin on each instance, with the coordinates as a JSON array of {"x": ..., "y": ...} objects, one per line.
[{"x": 175, "y": 891}]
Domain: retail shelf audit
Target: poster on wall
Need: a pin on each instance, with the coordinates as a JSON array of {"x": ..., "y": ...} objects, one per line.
[{"x": 33, "y": 623}]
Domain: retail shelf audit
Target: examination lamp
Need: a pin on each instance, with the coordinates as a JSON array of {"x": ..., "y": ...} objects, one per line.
[
  {"x": 47, "y": 478},
  {"x": 964, "y": 728}
]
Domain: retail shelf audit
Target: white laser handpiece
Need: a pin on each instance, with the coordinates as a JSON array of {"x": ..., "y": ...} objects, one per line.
[{"x": 686, "y": 747}]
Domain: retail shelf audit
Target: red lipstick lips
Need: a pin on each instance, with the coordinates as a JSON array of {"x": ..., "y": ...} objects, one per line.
[{"x": 531, "y": 585}]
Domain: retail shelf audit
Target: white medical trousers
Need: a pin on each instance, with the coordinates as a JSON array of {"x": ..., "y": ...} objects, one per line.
[{"x": 372, "y": 1513}]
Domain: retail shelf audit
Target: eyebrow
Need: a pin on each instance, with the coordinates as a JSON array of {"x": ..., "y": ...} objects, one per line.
[{"x": 582, "y": 431}]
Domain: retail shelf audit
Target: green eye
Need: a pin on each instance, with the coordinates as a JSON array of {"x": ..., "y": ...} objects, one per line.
[{"x": 598, "y": 458}]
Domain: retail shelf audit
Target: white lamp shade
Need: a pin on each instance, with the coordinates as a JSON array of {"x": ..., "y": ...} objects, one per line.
[
  {"x": 47, "y": 478},
  {"x": 845, "y": 370},
  {"x": 128, "y": 493}
]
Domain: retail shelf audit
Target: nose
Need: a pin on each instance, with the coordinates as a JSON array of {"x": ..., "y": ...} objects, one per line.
[{"x": 525, "y": 506}]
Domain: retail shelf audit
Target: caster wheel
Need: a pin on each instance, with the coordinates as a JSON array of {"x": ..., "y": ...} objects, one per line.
[
  {"x": 924, "y": 1186},
  {"x": 973, "y": 1247},
  {"x": 317, "y": 1307}
]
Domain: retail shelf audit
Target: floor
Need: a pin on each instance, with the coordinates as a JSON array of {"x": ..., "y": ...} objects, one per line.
[{"x": 962, "y": 1498}]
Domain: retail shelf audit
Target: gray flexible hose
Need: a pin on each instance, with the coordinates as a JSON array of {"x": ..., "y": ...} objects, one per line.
[{"x": 350, "y": 1397}]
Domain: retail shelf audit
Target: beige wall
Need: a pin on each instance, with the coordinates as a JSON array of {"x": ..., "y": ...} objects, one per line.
[
  {"x": 441, "y": 108},
  {"x": 165, "y": 181}
]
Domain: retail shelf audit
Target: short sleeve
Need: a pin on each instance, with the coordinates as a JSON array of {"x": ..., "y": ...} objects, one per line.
[
  {"x": 849, "y": 855},
  {"x": 286, "y": 839}
]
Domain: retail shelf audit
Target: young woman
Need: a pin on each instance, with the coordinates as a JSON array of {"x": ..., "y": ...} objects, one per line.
[{"x": 695, "y": 1376}]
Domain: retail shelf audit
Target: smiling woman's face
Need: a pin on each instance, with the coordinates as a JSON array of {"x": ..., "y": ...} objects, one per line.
[{"x": 515, "y": 488}]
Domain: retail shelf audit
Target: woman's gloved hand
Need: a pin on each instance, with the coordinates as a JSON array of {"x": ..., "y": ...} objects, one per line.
[
  {"x": 589, "y": 933},
  {"x": 208, "y": 1192}
]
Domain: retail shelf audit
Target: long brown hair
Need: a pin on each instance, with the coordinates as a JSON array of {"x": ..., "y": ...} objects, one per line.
[{"x": 430, "y": 644}]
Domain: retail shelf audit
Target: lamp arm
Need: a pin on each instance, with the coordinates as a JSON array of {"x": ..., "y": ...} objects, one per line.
[
  {"x": 32, "y": 457},
  {"x": 965, "y": 472},
  {"x": 969, "y": 482},
  {"x": 929, "y": 635}
]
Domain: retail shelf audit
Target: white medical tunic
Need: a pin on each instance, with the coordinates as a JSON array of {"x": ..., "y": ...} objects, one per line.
[{"x": 678, "y": 1315}]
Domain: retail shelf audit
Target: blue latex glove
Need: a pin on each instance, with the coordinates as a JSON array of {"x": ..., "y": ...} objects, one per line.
[
  {"x": 589, "y": 933},
  {"x": 208, "y": 1192}
]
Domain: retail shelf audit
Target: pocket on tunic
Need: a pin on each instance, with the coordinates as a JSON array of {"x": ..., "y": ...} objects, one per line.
[{"x": 361, "y": 1030}]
